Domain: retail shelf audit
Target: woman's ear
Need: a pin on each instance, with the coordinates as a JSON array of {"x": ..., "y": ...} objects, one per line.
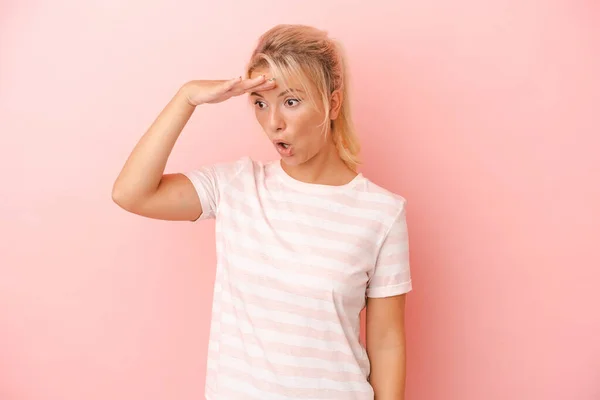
[{"x": 335, "y": 104}]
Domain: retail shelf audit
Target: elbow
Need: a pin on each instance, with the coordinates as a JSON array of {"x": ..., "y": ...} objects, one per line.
[
  {"x": 129, "y": 200},
  {"x": 121, "y": 198}
]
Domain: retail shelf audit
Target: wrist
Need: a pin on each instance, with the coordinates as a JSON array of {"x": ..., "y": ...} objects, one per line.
[{"x": 183, "y": 95}]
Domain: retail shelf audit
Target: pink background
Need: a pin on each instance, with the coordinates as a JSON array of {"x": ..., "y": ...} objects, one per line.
[{"x": 483, "y": 114}]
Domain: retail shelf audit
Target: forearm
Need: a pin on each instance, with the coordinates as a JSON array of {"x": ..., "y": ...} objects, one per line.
[
  {"x": 144, "y": 168},
  {"x": 388, "y": 372}
]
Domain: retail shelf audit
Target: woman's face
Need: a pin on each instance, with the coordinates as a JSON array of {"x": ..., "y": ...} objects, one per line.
[{"x": 290, "y": 121}]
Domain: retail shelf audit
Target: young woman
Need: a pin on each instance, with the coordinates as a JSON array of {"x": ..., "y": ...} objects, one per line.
[{"x": 304, "y": 243}]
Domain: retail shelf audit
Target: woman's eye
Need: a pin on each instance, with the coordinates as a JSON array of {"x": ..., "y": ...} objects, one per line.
[
  {"x": 260, "y": 104},
  {"x": 292, "y": 102}
]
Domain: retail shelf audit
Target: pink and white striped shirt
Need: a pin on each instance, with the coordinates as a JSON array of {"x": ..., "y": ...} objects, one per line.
[{"x": 295, "y": 263}]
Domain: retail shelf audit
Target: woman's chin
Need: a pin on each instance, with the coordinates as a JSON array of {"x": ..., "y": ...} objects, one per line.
[
  {"x": 297, "y": 159},
  {"x": 291, "y": 161}
]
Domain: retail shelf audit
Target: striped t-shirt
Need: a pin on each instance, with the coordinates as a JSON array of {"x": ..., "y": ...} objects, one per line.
[{"x": 295, "y": 263}]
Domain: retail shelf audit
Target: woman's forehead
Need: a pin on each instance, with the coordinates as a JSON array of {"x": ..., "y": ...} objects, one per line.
[{"x": 285, "y": 81}]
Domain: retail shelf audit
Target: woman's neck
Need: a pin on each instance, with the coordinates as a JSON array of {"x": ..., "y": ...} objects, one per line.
[{"x": 325, "y": 168}]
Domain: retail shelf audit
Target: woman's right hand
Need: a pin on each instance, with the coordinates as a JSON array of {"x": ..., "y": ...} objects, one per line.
[{"x": 204, "y": 91}]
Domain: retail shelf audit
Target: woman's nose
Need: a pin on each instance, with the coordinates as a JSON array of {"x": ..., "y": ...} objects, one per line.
[{"x": 276, "y": 121}]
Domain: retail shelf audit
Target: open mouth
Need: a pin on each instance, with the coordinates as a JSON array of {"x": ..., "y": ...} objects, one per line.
[{"x": 284, "y": 148}]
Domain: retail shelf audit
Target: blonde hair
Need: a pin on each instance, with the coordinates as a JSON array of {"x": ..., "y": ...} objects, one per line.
[{"x": 305, "y": 52}]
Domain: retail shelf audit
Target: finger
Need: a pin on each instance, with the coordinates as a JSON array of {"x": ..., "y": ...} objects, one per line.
[
  {"x": 252, "y": 83},
  {"x": 240, "y": 85},
  {"x": 247, "y": 85},
  {"x": 261, "y": 85},
  {"x": 231, "y": 83},
  {"x": 268, "y": 85}
]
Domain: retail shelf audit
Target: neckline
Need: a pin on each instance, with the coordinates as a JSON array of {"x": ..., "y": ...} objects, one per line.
[{"x": 313, "y": 187}]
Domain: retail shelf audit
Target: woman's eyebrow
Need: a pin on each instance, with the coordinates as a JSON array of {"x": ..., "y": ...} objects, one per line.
[
  {"x": 280, "y": 94},
  {"x": 290, "y": 90}
]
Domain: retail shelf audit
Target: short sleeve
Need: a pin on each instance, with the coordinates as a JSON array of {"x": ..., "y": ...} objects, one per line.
[
  {"x": 391, "y": 275},
  {"x": 209, "y": 182}
]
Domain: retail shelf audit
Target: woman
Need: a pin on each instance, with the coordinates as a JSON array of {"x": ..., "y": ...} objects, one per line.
[{"x": 304, "y": 243}]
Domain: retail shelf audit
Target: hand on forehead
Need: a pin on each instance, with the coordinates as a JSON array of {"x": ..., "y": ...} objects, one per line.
[{"x": 282, "y": 82}]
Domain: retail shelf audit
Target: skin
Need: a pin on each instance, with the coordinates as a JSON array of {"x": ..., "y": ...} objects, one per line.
[
  {"x": 386, "y": 346},
  {"x": 285, "y": 113},
  {"x": 144, "y": 189}
]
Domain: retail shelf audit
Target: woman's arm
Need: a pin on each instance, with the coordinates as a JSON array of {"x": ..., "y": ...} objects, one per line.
[
  {"x": 142, "y": 187},
  {"x": 386, "y": 346}
]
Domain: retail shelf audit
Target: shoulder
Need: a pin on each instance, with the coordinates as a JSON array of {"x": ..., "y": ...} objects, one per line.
[
  {"x": 222, "y": 173},
  {"x": 237, "y": 165},
  {"x": 246, "y": 167},
  {"x": 388, "y": 205},
  {"x": 228, "y": 170},
  {"x": 245, "y": 173},
  {"x": 373, "y": 192}
]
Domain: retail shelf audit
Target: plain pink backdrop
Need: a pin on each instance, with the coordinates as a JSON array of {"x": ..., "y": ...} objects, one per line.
[{"x": 483, "y": 114}]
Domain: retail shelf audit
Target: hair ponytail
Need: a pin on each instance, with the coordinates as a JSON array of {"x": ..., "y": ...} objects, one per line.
[{"x": 305, "y": 52}]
